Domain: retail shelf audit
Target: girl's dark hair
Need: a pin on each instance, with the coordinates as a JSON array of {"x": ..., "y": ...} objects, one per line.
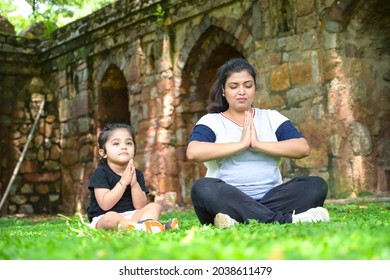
[
  {"x": 217, "y": 102},
  {"x": 108, "y": 130}
]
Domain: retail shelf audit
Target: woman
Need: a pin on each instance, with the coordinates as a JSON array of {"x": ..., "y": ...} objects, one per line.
[{"x": 242, "y": 147}]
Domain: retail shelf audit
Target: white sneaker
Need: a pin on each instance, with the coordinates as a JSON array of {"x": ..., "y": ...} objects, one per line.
[
  {"x": 150, "y": 226},
  {"x": 318, "y": 214},
  {"x": 224, "y": 221}
]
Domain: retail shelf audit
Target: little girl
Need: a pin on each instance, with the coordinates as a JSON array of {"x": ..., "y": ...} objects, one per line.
[{"x": 118, "y": 191}]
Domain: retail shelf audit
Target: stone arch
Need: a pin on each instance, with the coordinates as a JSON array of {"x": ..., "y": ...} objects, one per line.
[
  {"x": 358, "y": 96},
  {"x": 229, "y": 34},
  {"x": 209, "y": 36},
  {"x": 370, "y": 139},
  {"x": 236, "y": 30},
  {"x": 112, "y": 99},
  {"x": 342, "y": 11},
  {"x": 213, "y": 47}
]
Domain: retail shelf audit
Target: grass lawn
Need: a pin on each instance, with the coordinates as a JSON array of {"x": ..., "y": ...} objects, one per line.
[{"x": 355, "y": 232}]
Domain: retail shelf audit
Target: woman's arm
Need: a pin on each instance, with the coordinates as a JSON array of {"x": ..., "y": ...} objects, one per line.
[
  {"x": 200, "y": 151},
  {"x": 293, "y": 148},
  {"x": 205, "y": 151}
]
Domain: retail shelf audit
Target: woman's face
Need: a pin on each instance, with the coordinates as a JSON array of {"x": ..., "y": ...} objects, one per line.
[{"x": 240, "y": 90}]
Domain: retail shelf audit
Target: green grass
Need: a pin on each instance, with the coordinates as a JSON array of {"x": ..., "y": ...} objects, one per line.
[{"x": 355, "y": 232}]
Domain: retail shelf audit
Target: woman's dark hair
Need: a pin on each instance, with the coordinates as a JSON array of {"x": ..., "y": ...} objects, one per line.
[
  {"x": 218, "y": 102},
  {"x": 108, "y": 130}
]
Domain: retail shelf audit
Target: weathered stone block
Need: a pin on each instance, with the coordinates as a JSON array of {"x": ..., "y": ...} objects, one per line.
[
  {"x": 280, "y": 79},
  {"x": 301, "y": 74}
]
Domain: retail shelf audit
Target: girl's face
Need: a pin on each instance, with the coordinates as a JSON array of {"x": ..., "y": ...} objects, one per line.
[
  {"x": 119, "y": 147},
  {"x": 240, "y": 91}
]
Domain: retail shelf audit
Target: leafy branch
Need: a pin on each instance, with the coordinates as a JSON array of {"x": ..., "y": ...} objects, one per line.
[{"x": 160, "y": 15}]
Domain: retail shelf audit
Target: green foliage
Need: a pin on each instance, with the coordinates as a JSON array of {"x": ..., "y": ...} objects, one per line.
[
  {"x": 6, "y": 9},
  {"x": 355, "y": 232},
  {"x": 160, "y": 15},
  {"x": 6, "y": 6},
  {"x": 53, "y": 13}
]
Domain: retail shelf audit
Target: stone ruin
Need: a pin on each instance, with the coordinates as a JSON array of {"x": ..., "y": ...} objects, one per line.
[{"x": 324, "y": 64}]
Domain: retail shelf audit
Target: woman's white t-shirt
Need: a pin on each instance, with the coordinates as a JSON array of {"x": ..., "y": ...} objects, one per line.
[{"x": 252, "y": 172}]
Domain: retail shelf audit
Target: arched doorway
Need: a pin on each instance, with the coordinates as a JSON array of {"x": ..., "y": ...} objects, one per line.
[
  {"x": 213, "y": 49},
  {"x": 209, "y": 70},
  {"x": 113, "y": 99}
]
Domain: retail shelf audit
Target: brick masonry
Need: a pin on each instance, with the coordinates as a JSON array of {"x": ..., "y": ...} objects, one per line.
[{"x": 324, "y": 64}]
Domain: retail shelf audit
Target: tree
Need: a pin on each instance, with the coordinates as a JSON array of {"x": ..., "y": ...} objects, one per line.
[
  {"x": 6, "y": 6},
  {"x": 53, "y": 13},
  {"x": 6, "y": 9}
]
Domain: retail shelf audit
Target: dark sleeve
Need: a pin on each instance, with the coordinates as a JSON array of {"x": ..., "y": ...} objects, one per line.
[
  {"x": 287, "y": 131},
  {"x": 202, "y": 133},
  {"x": 141, "y": 180},
  {"x": 99, "y": 179}
]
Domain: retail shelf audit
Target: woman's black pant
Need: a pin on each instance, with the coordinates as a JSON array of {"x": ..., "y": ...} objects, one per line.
[{"x": 211, "y": 196}]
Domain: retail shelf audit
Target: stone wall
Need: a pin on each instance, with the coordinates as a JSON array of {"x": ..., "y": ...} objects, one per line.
[{"x": 317, "y": 62}]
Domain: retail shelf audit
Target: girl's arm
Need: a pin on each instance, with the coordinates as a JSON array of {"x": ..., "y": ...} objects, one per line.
[
  {"x": 138, "y": 196},
  {"x": 108, "y": 198}
]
